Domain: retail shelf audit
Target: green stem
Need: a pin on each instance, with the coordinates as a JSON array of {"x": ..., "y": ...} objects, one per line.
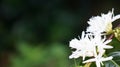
[
  {"x": 75, "y": 62},
  {"x": 115, "y": 63}
]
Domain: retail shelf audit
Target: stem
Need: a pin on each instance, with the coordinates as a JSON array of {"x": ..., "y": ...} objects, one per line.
[
  {"x": 75, "y": 62},
  {"x": 115, "y": 63}
]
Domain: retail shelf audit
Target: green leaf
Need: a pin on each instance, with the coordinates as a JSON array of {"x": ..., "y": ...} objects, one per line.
[
  {"x": 115, "y": 62},
  {"x": 116, "y": 56},
  {"x": 116, "y": 46},
  {"x": 110, "y": 64}
]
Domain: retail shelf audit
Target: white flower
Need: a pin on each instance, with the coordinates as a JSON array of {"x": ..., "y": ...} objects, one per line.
[
  {"x": 98, "y": 59},
  {"x": 84, "y": 47},
  {"x": 103, "y": 23}
]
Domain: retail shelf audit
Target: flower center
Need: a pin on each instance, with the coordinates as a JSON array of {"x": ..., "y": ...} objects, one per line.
[{"x": 109, "y": 28}]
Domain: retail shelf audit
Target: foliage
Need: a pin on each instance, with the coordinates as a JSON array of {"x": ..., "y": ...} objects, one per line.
[{"x": 40, "y": 56}]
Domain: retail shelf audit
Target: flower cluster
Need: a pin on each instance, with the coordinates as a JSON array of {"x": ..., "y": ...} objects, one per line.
[{"x": 93, "y": 42}]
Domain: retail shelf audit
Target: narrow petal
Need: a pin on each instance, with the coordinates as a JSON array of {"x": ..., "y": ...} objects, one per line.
[
  {"x": 116, "y": 17},
  {"x": 101, "y": 53},
  {"x": 75, "y": 55},
  {"x": 106, "y": 59},
  {"x": 98, "y": 63},
  {"x": 108, "y": 41},
  {"x": 84, "y": 55},
  {"x": 74, "y": 43},
  {"x": 83, "y": 35},
  {"x": 107, "y": 47}
]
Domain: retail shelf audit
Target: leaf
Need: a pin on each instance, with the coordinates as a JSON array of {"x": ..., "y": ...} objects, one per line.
[
  {"x": 115, "y": 62},
  {"x": 110, "y": 64},
  {"x": 28, "y": 56},
  {"x": 116, "y": 46},
  {"x": 116, "y": 56}
]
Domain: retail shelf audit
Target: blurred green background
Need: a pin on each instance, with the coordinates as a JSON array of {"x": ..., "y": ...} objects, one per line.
[{"x": 36, "y": 33}]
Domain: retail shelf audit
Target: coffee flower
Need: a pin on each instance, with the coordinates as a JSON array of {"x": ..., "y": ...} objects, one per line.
[
  {"x": 103, "y": 23},
  {"x": 84, "y": 47},
  {"x": 89, "y": 45}
]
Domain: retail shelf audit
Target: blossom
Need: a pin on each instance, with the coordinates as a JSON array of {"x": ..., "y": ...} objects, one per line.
[
  {"x": 103, "y": 23},
  {"x": 84, "y": 47},
  {"x": 89, "y": 45},
  {"x": 98, "y": 59}
]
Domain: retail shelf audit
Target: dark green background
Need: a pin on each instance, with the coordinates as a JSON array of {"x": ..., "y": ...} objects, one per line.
[{"x": 36, "y": 33}]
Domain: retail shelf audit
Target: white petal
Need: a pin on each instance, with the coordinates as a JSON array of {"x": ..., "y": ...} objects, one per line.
[
  {"x": 101, "y": 53},
  {"x": 83, "y": 55},
  {"x": 116, "y": 17},
  {"x": 107, "y": 46},
  {"x": 74, "y": 43},
  {"x": 106, "y": 59},
  {"x": 83, "y": 35},
  {"x": 98, "y": 63},
  {"x": 75, "y": 54},
  {"x": 108, "y": 41}
]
